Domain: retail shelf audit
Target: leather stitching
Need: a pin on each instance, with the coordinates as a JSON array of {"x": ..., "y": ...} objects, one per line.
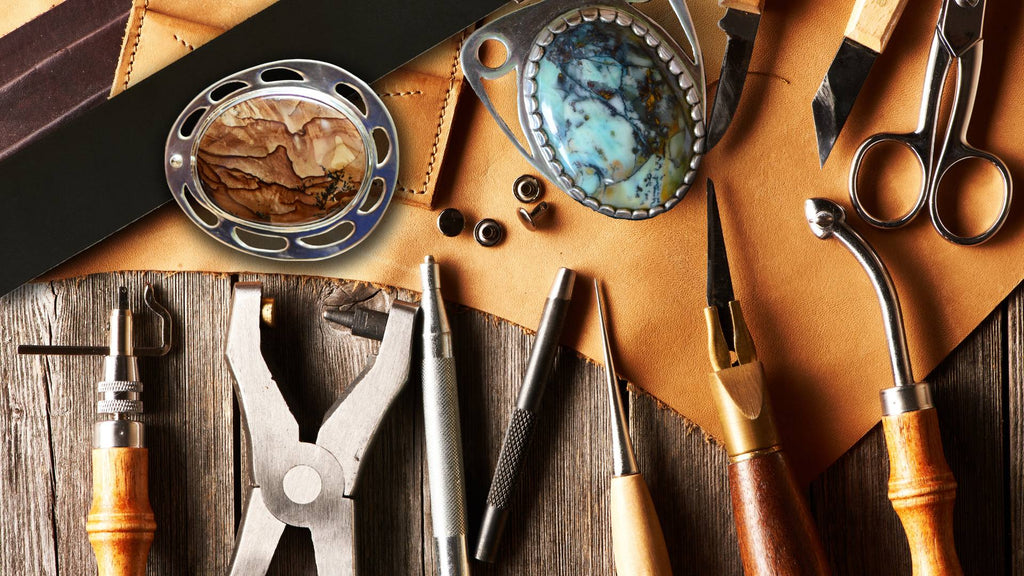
[
  {"x": 184, "y": 43},
  {"x": 441, "y": 117},
  {"x": 135, "y": 46},
  {"x": 400, "y": 94}
]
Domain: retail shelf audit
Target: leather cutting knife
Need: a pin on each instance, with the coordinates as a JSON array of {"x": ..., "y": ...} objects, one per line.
[
  {"x": 740, "y": 23},
  {"x": 103, "y": 170},
  {"x": 867, "y": 34}
]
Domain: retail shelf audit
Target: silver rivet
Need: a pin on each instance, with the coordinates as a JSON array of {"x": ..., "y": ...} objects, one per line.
[
  {"x": 176, "y": 161},
  {"x": 527, "y": 188},
  {"x": 530, "y": 218},
  {"x": 488, "y": 232}
]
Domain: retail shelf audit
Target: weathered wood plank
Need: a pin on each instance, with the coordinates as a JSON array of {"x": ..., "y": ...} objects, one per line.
[
  {"x": 27, "y": 528},
  {"x": 861, "y": 532},
  {"x": 1015, "y": 429},
  {"x": 560, "y": 521},
  {"x": 689, "y": 483}
]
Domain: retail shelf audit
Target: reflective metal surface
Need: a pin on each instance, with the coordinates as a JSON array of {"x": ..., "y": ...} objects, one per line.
[
  {"x": 298, "y": 483},
  {"x": 827, "y": 220},
  {"x": 957, "y": 39}
]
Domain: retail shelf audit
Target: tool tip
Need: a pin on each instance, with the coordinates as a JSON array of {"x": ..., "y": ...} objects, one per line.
[
  {"x": 823, "y": 216},
  {"x": 428, "y": 259},
  {"x": 122, "y": 298},
  {"x": 344, "y": 317},
  {"x": 561, "y": 289}
]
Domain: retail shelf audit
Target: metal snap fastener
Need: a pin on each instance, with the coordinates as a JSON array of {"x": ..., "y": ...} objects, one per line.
[
  {"x": 527, "y": 188},
  {"x": 488, "y": 232},
  {"x": 531, "y": 218},
  {"x": 451, "y": 222}
]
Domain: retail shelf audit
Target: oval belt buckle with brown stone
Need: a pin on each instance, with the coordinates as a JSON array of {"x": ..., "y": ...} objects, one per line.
[
  {"x": 291, "y": 160},
  {"x": 611, "y": 109}
]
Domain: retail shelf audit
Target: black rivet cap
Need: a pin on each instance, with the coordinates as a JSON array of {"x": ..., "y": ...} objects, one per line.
[{"x": 451, "y": 222}]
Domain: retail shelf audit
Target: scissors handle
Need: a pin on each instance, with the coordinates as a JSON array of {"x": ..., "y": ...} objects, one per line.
[
  {"x": 956, "y": 149},
  {"x": 919, "y": 143}
]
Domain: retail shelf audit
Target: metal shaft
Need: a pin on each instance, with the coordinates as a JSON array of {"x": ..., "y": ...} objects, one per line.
[
  {"x": 828, "y": 219},
  {"x": 623, "y": 458},
  {"x": 442, "y": 432},
  {"x": 512, "y": 457}
]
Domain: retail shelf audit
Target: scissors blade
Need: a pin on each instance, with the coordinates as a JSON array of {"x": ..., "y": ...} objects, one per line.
[
  {"x": 960, "y": 25},
  {"x": 741, "y": 29},
  {"x": 838, "y": 92}
]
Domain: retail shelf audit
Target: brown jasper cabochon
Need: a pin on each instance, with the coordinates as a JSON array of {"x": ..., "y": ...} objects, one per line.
[{"x": 281, "y": 160}]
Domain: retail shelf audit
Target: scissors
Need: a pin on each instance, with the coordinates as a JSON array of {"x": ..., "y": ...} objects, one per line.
[{"x": 957, "y": 37}]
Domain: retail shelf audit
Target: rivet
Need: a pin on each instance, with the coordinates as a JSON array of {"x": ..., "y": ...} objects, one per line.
[
  {"x": 176, "y": 161},
  {"x": 527, "y": 188},
  {"x": 267, "y": 312},
  {"x": 531, "y": 218},
  {"x": 451, "y": 222},
  {"x": 488, "y": 232}
]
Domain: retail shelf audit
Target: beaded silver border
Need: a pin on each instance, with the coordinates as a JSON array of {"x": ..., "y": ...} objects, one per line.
[
  {"x": 672, "y": 62},
  {"x": 526, "y": 32}
]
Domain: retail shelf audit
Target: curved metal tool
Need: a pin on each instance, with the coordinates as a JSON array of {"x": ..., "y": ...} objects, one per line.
[
  {"x": 921, "y": 486},
  {"x": 298, "y": 483}
]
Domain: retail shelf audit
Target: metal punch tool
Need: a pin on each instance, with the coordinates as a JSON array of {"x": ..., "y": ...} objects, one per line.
[
  {"x": 957, "y": 37},
  {"x": 295, "y": 483},
  {"x": 921, "y": 486}
]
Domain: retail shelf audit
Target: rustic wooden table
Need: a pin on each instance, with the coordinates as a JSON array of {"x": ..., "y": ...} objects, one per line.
[{"x": 560, "y": 523}]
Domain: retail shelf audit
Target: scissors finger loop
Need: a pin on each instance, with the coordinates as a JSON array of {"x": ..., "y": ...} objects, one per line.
[
  {"x": 1004, "y": 208},
  {"x": 913, "y": 143}
]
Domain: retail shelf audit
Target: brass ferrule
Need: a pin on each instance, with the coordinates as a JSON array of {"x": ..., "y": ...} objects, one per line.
[{"x": 744, "y": 409}]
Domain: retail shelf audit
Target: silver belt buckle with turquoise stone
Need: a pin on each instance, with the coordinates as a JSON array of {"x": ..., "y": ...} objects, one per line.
[
  {"x": 290, "y": 160},
  {"x": 610, "y": 107}
]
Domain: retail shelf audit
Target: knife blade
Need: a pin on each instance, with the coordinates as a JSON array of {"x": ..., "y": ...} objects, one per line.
[
  {"x": 867, "y": 34},
  {"x": 104, "y": 170},
  {"x": 740, "y": 25}
]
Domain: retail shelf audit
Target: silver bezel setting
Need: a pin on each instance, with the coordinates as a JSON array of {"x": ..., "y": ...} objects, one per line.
[
  {"x": 318, "y": 82},
  {"x": 525, "y": 35}
]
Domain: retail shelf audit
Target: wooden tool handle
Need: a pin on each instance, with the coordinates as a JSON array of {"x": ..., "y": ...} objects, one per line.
[
  {"x": 121, "y": 522},
  {"x": 775, "y": 529},
  {"x": 922, "y": 490},
  {"x": 637, "y": 540},
  {"x": 752, "y": 6},
  {"x": 872, "y": 22}
]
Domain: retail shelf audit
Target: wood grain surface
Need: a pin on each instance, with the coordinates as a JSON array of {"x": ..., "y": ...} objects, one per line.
[
  {"x": 560, "y": 522},
  {"x": 776, "y": 532}
]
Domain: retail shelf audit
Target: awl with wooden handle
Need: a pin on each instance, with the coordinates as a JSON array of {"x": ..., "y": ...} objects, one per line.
[
  {"x": 921, "y": 486},
  {"x": 637, "y": 540},
  {"x": 121, "y": 524},
  {"x": 774, "y": 526}
]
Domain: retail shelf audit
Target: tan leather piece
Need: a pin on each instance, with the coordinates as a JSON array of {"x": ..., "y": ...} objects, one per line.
[
  {"x": 813, "y": 314},
  {"x": 18, "y": 12},
  {"x": 421, "y": 96}
]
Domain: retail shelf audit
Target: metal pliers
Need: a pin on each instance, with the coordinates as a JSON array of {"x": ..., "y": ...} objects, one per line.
[{"x": 297, "y": 483}]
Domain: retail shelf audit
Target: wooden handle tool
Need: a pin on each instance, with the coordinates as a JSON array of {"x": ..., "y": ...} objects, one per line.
[
  {"x": 121, "y": 524},
  {"x": 637, "y": 540},
  {"x": 872, "y": 22},
  {"x": 921, "y": 486},
  {"x": 773, "y": 523},
  {"x": 774, "y": 526},
  {"x": 750, "y": 6},
  {"x": 922, "y": 490}
]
